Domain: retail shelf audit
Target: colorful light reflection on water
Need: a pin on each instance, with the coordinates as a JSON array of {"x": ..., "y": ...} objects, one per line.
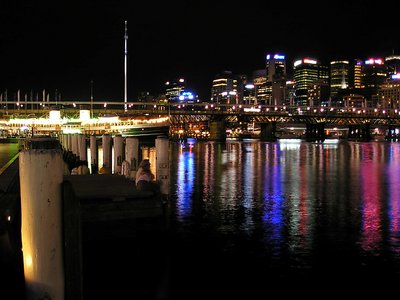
[{"x": 295, "y": 206}]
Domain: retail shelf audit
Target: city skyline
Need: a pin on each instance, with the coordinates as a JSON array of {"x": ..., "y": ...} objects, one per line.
[{"x": 73, "y": 48}]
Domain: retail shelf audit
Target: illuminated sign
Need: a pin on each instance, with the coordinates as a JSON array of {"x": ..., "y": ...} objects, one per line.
[
  {"x": 309, "y": 61},
  {"x": 396, "y": 76},
  {"x": 249, "y": 86},
  {"x": 374, "y": 61},
  {"x": 305, "y": 61},
  {"x": 298, "y": 62},
  {"x": 251, "y": 109},
  {"x": 276, "y": 56},
  {"x": 186, "y": 96},
  {"x": 392, "y": 58},
  {"x": 339, "y": 62}
]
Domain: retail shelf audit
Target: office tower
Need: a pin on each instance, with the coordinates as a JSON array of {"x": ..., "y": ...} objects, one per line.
[
  {"x": 339, "y": 78},
  {"x": 374, "y": 74},
  {"x": 224, "y": 88},
  {"x": 249, "y": 94},
  {"x": 355, "y": 72},
  {"x": 260, "y": 86},
  {"x": 173, "y": 89},
  {"x": 289, "y": 99},
  {"x": 308, "y": 72},
  {"x": 389, "y": 93},
  {"x": 275, "y": 66},
  {"x": 242, "y": 80},
  {"x": 393, "y": 64}
]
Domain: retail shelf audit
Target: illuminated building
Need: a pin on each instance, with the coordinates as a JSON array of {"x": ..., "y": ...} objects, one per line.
[
  {"x": 393, "y": 64},
  {"x": 354, "y": 100},
  {"x": 339, "y": 77},
  {"x": 374, "y": 74},
  {"x": 289, "y": 87},
  {"x": 318, "y": 93},
  {"x": 173, "y": 89},
  {"x": 249, "y": 94},
  {"x": 261, "y": 90},
  {"x": 307, "y": 73},
  {"x": 389, "y": 93},
  {"x": 355, "y": 73},
  {"x": 225, "y": 88},
  {"x": 275, "y": 65}
]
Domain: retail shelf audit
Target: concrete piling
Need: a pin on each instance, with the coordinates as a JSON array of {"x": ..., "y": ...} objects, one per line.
[
  {"x": 41, "y": 176},
  {"x": 162, "y": 161}
]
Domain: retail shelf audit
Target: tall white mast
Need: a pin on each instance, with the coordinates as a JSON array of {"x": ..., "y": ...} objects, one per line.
[{"x": 126, "y": 67}]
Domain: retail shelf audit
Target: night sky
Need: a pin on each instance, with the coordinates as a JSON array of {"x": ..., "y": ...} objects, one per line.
[{"x": 66, "y": 45}]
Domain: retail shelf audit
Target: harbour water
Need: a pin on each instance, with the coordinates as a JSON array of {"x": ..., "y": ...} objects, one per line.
[
  {"x": 268, "y": 215},
  {"x": 251, "y": 219}
]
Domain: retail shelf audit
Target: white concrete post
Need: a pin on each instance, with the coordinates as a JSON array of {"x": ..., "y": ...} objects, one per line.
[
  {"x": 94, "y": 162},
  {"x": 74, "y": 144},
  {"x": 162, "y": 161},
  {"x": 107, "y": 151},
  {"x": 65, "y": 141},
  {"x": 69, "y": 142},
  {"x": 118, "y": 154},
  {"x": 61, "y": 138},
  {"x": 132, "y": 154},
  {"x": 41, "y": 176},
  {"x": 82, "y": 147}
]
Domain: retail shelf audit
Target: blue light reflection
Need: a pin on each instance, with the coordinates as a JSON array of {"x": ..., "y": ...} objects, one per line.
[{"x": 185, "y": 182}]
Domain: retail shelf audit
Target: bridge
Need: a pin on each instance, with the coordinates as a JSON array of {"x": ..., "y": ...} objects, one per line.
[{"x": 358, "y": 122}]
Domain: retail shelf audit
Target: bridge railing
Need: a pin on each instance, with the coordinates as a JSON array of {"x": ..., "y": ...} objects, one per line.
[{"x": 72, "y": 108}]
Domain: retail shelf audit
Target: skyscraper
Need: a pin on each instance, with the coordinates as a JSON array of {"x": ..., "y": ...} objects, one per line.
[
  {"x": 355, "y": 71},
  {"x": 307, "y": 73},
  {"x": 275, "y": 66},
  {"x": 260, "y": 86},
  {"x": 224, "y": 88},
  {"x": 339, "y": 77},
  {"x": 393, "y": 64},
  {"x": 173, "y": 89},
  {"x": 374, "y": 74}
]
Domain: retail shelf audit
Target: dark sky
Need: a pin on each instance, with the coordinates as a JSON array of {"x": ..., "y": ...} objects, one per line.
[{"x": 66, "y": 45}]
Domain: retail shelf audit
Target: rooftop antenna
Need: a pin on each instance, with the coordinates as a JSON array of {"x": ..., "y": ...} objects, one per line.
[{"x": 126, "y": 66}]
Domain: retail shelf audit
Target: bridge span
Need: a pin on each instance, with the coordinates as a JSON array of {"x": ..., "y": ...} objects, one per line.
[{"x": 358, "y": 122}]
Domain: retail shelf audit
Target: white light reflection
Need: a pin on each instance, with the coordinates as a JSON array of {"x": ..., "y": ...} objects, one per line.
[{"x": 289, "y": 144}]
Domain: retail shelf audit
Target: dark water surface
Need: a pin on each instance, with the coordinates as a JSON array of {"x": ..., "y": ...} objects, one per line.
[
  {"x": 249, "y": 220},
  {"x": 255, "y": 220}
]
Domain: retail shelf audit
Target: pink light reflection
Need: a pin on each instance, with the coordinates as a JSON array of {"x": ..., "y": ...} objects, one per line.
[{"x": 371, "y": 185}]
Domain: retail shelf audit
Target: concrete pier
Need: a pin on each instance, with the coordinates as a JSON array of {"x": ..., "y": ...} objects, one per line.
[
  {"x": 41, "y": 176},
  {"x": 82, "y": 147},
  {"x": 94, "y": 161},
  {"x": 107, "y": 151},
  {"x": 118, "y": 153},
  {"x": 132, "y": 154},
  {"x": 217, "y": 131},
  {"x": 162, "y": 161},
  {"x": 268, "y": 131}
]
